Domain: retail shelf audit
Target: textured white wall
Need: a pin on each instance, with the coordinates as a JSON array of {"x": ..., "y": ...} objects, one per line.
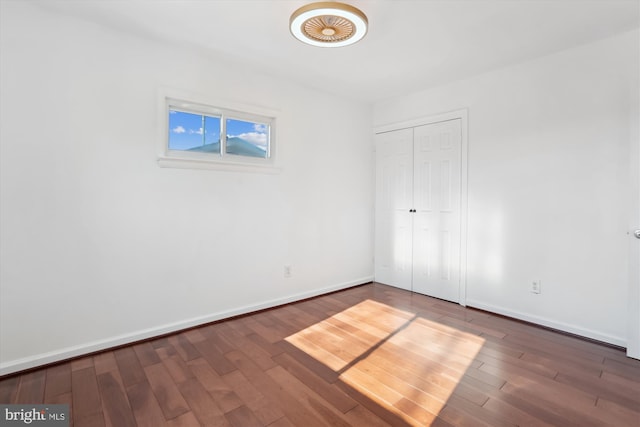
[
  {"x": 548, "y": 183},
  {"x": 100, "y": 246}
]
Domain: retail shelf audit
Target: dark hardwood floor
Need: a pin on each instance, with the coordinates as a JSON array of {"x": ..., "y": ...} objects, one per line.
[{"x": 367, "y": 356}]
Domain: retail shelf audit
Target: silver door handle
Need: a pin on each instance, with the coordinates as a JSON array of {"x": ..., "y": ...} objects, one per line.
[{"x": 637, "y": 234}]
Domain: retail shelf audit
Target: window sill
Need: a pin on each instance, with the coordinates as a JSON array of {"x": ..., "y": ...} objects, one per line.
[{"x": 181, "y": 163}]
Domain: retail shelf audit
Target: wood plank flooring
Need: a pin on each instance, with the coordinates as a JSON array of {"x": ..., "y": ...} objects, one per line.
[{"x": 372, "y": 355}]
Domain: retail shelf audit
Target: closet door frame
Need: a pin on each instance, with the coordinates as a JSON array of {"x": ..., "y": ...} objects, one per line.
[{"x": 461, "y": 114}]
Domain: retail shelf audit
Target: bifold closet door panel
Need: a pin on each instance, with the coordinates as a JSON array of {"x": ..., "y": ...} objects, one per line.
[
  {"x": 436, "y": 221},
  {"x": 394, "y": 199}
]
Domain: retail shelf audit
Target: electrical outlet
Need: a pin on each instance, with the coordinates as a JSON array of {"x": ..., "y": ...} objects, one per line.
[
  {"x": 287, "y": 271},
  {"x": 536, "y": 287}
]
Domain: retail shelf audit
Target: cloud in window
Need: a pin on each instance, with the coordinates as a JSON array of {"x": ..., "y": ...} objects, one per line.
[
  {"x": 178, "y": 129},
  {"x": 256, "y": 138}
]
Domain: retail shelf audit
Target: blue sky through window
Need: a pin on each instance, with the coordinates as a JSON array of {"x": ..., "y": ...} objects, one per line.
[
  {"x": 256, "y": 134},
  {"x": 188, "y": 131}
]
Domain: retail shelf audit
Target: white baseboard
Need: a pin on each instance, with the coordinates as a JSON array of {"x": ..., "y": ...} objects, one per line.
[
  {"x": 99, "y": 345},
  {"x": 561, "y": 326}
]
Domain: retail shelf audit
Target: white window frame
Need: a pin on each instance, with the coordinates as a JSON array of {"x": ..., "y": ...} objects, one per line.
[{"x": 190, "y": 103}]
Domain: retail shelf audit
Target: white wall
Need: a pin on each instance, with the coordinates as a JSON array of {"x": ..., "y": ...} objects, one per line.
[
  {"x": 100, "y": 246},
  {"x": 548, "y": 183}
]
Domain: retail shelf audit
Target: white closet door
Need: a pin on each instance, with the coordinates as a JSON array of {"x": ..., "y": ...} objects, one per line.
[
  {"x": 437, "y": 190},
  {"x": 394, "y": 199}
]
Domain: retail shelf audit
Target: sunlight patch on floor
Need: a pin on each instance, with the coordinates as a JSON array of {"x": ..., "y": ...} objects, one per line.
[{"x": 407, "y": 364}]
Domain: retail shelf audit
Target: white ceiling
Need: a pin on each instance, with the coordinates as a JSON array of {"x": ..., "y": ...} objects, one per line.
[{"x": 411, "y": 44}]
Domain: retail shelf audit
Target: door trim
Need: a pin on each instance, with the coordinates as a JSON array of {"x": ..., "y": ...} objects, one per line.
[
  {"x": 461, "y": 114},
  {"x": 633, "y": 310}
]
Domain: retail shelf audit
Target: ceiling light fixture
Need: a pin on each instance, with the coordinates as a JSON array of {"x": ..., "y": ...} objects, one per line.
[{"x": 328, "y": 24}]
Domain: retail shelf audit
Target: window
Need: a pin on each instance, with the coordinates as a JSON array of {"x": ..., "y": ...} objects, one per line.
[
  {"x": 193, "y": 132},
  {"x": 247, "y": 138},
  {"x": 199, "y": 135}
]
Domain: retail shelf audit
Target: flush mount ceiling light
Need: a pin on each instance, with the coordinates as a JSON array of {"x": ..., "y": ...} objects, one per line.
[{"x": 328, "y": 24}]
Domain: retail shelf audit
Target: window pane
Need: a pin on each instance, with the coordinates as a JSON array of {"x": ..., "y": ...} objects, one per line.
[
  {"x": 247, "y": 138},
  {"x": 193, "y": 132}
]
